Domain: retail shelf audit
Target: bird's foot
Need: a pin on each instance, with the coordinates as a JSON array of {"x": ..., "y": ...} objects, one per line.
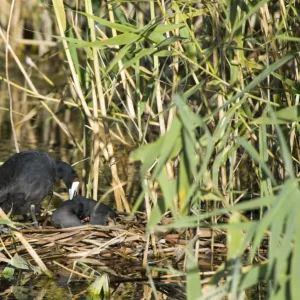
[{"x": 35, "y": 222}]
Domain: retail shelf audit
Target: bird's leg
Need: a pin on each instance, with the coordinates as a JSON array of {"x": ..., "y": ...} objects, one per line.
[
  {"x": 48, "y": 205},
  {"x": 32, "y": 210}
]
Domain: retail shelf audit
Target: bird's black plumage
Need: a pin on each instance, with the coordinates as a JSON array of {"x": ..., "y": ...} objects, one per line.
[
  {"x": 71, "y": 213},
  {"x": 27, "y": 177}
]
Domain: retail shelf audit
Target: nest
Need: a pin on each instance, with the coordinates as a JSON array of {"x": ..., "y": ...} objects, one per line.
[{"x": 123, "y": 250}]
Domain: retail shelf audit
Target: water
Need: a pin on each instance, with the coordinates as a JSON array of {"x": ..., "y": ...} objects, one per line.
[
  {"x": 29, "y": 286},
  {"x": 44, "y": 288}
]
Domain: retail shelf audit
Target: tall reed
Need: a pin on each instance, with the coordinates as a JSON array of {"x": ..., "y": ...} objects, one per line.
[{"x": 208, "y": 94}]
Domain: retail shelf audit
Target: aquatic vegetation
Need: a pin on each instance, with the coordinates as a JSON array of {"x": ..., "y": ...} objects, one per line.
[{"x": 205, "y": 97}]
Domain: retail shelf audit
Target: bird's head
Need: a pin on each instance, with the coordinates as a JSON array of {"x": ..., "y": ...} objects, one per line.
[{"x": 69, "y": 176}]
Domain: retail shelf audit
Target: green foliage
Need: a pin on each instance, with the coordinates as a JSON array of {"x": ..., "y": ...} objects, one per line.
[
  {"x": 100, "y": 287},
  {"x": 218, "y": 83},
  {"x": 18, "y": 263}
]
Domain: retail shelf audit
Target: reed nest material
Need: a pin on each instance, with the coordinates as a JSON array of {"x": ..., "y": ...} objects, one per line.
[{"x": 118, "y": 249}]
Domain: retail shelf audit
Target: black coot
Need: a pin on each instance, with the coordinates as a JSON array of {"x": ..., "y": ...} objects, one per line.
[
  {"x": 73, "y": 212},
  {"x": 26, "y": 178}
]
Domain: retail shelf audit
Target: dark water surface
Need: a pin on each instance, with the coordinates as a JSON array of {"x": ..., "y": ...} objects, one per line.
[{"x": 43, "y": 288}]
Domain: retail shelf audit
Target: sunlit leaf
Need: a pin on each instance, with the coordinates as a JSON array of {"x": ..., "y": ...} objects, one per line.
[
  {"x": 99, "y": 285},
  {"x": 120, "y": 27},
  {"x": 183, "y": 183},
  {"x": 138, "y": 56},
  {"x": 194, "y": 289},
  {"x": 122, "y": 39},
  {"x": 60, "y": 12}
]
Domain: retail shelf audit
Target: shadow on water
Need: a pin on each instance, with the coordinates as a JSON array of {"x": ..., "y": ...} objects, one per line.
[
  {"x": 43, "y": 288},
  {"x": 28, "y": 286}
]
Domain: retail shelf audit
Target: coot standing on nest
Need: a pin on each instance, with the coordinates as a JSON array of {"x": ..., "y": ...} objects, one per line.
[
  {"x": 73, "y": 212},
  {"x": 26, "y": 178}
]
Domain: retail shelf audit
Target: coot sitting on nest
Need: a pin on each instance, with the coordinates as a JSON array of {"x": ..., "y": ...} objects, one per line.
[
  {"x": 26, "y": 178},
  {"x": 73, "y": 212}
]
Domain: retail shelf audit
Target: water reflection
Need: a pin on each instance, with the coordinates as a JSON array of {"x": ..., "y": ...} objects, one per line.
[{"x": 43, "y": 288}]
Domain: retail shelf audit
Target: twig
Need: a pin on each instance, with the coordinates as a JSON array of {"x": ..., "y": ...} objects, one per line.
[{"x": 72, "y": 271}]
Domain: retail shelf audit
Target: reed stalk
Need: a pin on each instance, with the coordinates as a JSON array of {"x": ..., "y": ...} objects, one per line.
[{"x": 7, "y": 76}]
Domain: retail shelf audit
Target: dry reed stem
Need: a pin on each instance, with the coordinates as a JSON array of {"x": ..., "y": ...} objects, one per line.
[
  {"x": 108, "y": 192},
  {"x": 72, "y": 271},
  {"x": 6, "y": 251},
  {"x": 145, "y": 255},
  {"x": 35, "y": 42},
  {"x": 7, "y": 76},
  {"x": 96, "y": 145},
  {"x": 118, "y": 239},
  {"x": 97, "y": 95},
  {"x": 28, "y": 247}
]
